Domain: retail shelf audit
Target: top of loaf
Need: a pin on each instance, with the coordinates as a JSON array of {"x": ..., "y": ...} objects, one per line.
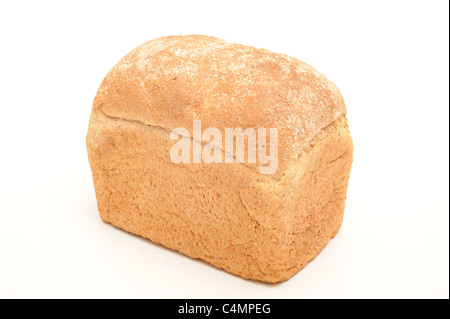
[{"x": 171, "y": 81}]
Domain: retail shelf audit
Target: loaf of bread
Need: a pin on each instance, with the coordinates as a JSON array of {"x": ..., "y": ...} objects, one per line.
[{"x": 239, "y": 215}]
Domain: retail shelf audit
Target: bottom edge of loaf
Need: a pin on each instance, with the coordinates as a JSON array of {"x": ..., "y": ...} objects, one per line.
[{"x": 268, "y": 279}]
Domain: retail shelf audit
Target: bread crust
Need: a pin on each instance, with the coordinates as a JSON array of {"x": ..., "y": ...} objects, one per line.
[
  {"x": 261, "y": 227},
  {"x": 171, "y": 81}
]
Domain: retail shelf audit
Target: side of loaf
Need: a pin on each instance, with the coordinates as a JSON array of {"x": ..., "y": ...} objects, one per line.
[{"x": 261, "y": 227}]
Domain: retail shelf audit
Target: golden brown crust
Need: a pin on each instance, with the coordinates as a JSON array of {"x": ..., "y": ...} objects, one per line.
[
  {"x": 173, "y": 80},
  {"x": 225, "y": 214},
  {"x": 261, "y": 227}
]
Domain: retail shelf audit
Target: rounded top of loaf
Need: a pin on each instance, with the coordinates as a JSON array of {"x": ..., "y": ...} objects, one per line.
[{"x": 171, "y": 81}]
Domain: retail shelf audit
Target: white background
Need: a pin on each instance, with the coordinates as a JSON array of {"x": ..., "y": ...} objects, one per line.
[{"x": 390, "y": 60}]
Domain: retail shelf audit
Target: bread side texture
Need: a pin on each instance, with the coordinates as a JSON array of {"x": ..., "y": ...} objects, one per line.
[{"x": 261, "y": 227}]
